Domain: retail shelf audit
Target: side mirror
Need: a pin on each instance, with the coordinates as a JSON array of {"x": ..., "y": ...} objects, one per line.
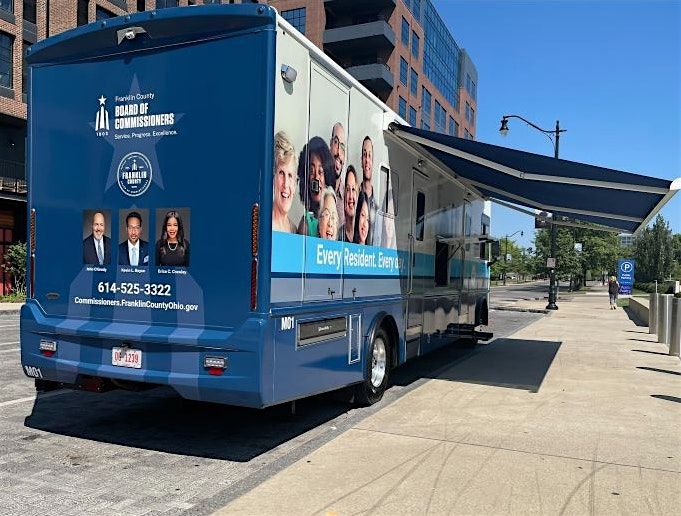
[
  {"x": 496, "y": 250},
  {"x": 493, "y": 250}
]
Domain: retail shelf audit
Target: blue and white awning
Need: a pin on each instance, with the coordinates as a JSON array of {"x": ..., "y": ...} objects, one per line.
[{"x": 573, "y": 191}]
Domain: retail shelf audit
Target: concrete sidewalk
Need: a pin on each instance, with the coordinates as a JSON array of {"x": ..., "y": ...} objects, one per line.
[
  {"x": 578, "y": 413},
  {"x": 10, "y": 308}
]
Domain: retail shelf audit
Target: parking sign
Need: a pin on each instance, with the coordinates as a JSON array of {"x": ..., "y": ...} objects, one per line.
[{"x": 625, "y": 275}]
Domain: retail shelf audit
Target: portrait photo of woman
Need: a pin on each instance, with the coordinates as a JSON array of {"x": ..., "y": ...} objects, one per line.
[
  {"x": 285, "y": 183},
  {"x": 311, "y": 187},
  {"x": 328, "y": 216},
  {"x": 362, "y": 223},
  {"x": 172, "y": 248}
]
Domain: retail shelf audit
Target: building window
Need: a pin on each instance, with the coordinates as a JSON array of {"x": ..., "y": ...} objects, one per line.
[
  {"x": 414, "y": 86},
  {"x": 415, "y": 40},
  {"x": 7, "y": 5},
  {"x": 81, "y": 12},
  {"x": 440, "y": 56},
  {"x": 453, "y": 127},
  {"x": 412, "y": 116},
  {"x": 426, "y": 100},
  {"x": 164, "y": 4},
  {"x": 425, "y": 124},
  {"x": 6, "y": 47},
  {"x": 470, "y": 113},
  {"x": 415, "y": 7},
  {"x": 440, "y": 118},
  {"x": 405, "y": 32},
  {"x": 24, "y": 69},
  {"x": 30, "y": 11},
  {"x": 296, "y": 17},
  {"x": 402, "y": 109},
  {"x": 102, "y": 14},
  {"x": 404, "y": 70},
  {"x": 140, "y": 6}
]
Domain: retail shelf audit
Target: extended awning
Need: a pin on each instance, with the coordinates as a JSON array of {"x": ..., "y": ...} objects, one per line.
[{"x": 572, "y": 191}]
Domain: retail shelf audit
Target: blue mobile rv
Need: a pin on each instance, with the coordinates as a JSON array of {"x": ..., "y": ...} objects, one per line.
[{"x": 216, "y": 206}]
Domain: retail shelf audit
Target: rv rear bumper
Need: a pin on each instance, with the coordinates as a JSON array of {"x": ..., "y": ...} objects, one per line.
[{"x": 173, "y": 356}]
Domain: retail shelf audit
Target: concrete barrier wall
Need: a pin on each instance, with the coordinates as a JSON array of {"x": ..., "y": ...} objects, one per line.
[{"x": 639, "y": 307}]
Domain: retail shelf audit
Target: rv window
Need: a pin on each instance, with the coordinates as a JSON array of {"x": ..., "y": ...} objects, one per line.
[
  {"x": 441, "y": 264},
  {"x": 390, "y": 186},
  {"x": 420, "y": 215}
]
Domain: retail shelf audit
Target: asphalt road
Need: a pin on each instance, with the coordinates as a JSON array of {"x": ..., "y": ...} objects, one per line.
[
  {"x": 134, "y": 453},
  {"x": 513, "y": 292}
]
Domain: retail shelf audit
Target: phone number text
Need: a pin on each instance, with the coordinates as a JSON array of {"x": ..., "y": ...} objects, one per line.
[{"x": 148, "y": 289}]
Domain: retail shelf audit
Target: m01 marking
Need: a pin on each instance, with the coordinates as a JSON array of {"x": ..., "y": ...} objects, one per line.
[
  {"x": 287, "y": 323},
  {"x": 33, "y": 372}
]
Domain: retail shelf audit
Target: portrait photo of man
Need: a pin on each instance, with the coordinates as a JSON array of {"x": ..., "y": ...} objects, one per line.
[
  {"x": 133, "y": 251},
  {"x": 97, "y": 246}
]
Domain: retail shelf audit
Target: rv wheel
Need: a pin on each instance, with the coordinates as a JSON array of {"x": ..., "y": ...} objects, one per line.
[{"x": 376, "y": 371}]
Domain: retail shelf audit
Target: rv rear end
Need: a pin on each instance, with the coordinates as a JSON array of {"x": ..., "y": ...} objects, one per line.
[{"x": 149, "y": 157}]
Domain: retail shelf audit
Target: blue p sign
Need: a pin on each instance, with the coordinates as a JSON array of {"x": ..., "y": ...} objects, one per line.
[{"x": 625, "y": 275}]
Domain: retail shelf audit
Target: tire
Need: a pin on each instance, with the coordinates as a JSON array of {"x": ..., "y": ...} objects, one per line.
[{"x": 376, "y": 371}]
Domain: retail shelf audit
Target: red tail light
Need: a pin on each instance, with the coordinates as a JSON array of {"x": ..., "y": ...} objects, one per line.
[
  {"x": 255, "y": 224},
  {"x": 31, "y": 280},
  {"x": 254, "y": 283}
]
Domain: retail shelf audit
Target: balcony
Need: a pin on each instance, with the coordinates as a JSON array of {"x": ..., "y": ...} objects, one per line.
[
  {"x": 12, "y": 177},
  {"x": 375, "y": 35},
  {"x": 352, "y": 6},
  {"x": 376, "y": 77}
]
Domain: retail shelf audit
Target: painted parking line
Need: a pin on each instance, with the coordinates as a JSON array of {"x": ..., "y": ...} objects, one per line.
[
  {"x": 15, "y": 350},
  {"x": 32, "y": 398},
  {"x": 5, "y": 344},
  {"x": 5, "y": 326}
]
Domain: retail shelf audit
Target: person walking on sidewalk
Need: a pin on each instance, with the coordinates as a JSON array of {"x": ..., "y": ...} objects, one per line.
[{"x": 613, "y": 290}]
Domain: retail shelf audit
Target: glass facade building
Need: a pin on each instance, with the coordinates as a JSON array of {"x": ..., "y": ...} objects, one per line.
[{"x": 440, "y": 55}]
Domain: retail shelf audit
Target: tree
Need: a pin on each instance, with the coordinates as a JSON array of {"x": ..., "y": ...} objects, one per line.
[
  {"x": 568, "y": 264},
  {"x": 15, "y": 265},
  {"x": 654, "y": 253}
]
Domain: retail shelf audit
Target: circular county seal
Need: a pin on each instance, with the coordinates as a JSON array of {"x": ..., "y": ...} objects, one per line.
[{"x": 134, "y": 174}]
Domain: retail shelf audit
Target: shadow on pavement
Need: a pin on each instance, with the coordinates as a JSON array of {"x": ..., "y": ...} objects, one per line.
[
  {"x": 633, "y": 331},
  {"x": 649, "y": 352},
  {"x": 665, "y": 397},
  {"x": 633, "y": 318},
  {"x": 160, "y": 420},
  {"x": 655, "y": 369},
  {"x": 512, "y": 363}
]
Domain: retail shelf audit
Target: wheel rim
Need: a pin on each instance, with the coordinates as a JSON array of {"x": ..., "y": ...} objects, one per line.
[{"x": 378, "y": 363}]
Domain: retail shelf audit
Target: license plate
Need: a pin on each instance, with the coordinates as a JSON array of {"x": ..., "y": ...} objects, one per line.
[{"x": 126, "y": 357}]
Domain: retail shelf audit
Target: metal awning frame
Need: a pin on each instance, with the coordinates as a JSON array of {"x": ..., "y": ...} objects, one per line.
[{"x": 425, "y": 143}]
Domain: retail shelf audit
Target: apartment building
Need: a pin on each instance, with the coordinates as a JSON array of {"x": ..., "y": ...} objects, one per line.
[{"x": 401, "y": 50}]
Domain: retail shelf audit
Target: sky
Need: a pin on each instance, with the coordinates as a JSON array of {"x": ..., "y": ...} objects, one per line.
[{"x": 609, "y": 70}]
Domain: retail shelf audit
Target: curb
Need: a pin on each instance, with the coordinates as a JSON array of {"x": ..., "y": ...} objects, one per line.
[{"x": 517, "y": 309}]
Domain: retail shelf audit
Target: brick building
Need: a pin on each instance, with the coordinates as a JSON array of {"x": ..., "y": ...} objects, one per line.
[{"x": 400, "y": 49}]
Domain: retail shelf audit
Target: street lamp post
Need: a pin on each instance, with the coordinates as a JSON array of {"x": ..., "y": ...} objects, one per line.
[
  {"x": 506, "y": 251},
  {"x": 556, "y": 142}
]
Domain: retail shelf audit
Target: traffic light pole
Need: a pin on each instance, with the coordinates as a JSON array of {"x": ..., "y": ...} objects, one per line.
[{"x": 553, "y": 287}]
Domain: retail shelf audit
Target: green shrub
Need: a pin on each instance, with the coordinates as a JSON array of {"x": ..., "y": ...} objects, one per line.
[{"x": 15, "y": 265}]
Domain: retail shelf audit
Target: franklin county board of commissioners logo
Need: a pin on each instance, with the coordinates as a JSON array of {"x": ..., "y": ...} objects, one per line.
[
  {"x": 134, "y": 174},
  {"x": 102, "y": 118}
]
